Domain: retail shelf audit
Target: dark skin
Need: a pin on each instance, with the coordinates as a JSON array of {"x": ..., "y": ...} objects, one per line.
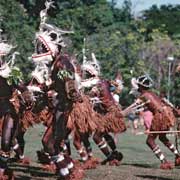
[
  {"x": 62, "y": 105},
  {"x": 155, "y": 105},
  {"x": 10, "y": 119}
]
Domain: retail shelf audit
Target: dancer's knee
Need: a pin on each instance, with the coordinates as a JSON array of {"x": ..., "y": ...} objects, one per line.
[
  {"x": 163, "y": 138},
  {"x": 76, "y": 144},
  {"x": 6, "y": 145},
  {"x": 151, "y": 142},
  {"x": 97, "y": 138}
]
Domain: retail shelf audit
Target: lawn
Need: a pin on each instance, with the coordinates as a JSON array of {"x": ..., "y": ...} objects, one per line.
[{"x": 138, "y": 162}]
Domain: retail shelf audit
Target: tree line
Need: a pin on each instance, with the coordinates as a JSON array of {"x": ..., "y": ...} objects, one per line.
[{"x": 121, "y": 41}]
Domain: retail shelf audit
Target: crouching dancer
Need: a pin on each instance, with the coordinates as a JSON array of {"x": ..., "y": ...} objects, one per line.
[
  {"x": 110, "y": 115},
  {"x": 162, "y": 119}
]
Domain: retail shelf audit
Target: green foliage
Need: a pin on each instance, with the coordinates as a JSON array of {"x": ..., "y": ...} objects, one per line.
[
  {"x": 64, "y": 74},
  {"x": 166, "y": 16},
  {"x": 15, "y": 76},
  {"x": 120, "y": 42},
  {"x": 175, "y": 98},
  {"x": 19, "y": 30}
]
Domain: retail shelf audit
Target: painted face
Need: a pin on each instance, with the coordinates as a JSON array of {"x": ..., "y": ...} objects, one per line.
[
  {"x": 5, "y": 49},
  {"x": 5, "y": 69},
  {"x": 91, "y": 68},
  {"x": 41, "y": 74},
  {"x": 91, "y": 72},
  {"x": 48, "y": 44}
]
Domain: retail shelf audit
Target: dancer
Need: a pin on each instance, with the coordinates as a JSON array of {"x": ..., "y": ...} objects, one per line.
[
  {"x": 163, "y": 119},
  {"x": 82, "y": 123},
  {"x": 104, "y": 104},
  {"x": 61, "y": 72},
  {"x": 7, "y": 110}
]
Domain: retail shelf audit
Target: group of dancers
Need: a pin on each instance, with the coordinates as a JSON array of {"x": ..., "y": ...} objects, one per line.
[{"x": 71, "y": 98}]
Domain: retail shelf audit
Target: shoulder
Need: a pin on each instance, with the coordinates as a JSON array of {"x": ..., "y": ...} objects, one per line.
[
  {"x": 63, "y": 62},
  {"x": 65, "y": 58}
]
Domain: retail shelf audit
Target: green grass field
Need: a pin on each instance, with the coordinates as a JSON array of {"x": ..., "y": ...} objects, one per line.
[{"x": 138, "y": 162}]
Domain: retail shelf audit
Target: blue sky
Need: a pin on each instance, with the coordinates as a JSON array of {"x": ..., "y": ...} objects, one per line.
[{"x": 139, "y": 5}]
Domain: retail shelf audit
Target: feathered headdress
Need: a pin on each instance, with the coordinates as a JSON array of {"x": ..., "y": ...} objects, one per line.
[
  {"x": 92, "y": 66},
  {"x": 7, "y": 69},
  {"x": 49, "y": 39}
]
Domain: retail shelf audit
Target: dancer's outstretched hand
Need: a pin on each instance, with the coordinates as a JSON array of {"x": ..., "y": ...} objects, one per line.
[{"x": 147, "y": 131}]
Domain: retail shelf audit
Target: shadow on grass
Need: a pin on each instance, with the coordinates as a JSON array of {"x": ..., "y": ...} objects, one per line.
[
  {"x": 23, "y": 177},
  {"x": 138, "y": 165},
  {"x": 31, "y": 170},
  {"x": 152, "y": 177},
  {"x": 177, "y": 167}
]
